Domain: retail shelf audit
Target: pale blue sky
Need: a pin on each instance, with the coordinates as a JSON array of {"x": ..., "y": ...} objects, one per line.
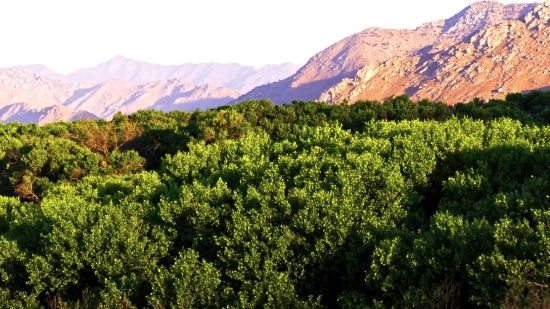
[{"x": 70, "y": 34}]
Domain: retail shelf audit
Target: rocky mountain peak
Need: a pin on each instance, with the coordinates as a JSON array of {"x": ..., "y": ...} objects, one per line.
[
  {"x": 476, "y": 17},
  {"x": 15, "y": 72},
  {"x": 118, "y": 59}
]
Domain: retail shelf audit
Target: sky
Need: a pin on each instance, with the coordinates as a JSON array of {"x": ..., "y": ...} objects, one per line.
[{"x": 67, "y": 35}]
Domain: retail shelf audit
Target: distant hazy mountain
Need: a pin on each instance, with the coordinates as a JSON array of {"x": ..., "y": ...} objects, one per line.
[
  {"x": 106, "y": 99},
  {"x": 22, "y": 86},
  {"x": 25, "y": 113},
  {"x": 30, "y": 97},
  {"x": 232, "y": 75},
  {"x": 44, "y": 71},
  {"x": 374, "y": 45}
]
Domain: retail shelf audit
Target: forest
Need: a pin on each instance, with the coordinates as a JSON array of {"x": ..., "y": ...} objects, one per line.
[{"x": 394, "y": 204}]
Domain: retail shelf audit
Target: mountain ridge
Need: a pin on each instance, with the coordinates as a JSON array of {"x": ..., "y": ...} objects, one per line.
[
  {"x": 229, "y": 75},
  {"x": 25, "y": 113},
  {"x": 483, "y": 51},
  {"x": 498, "y": 59},
  {"x": 374, "y": 45},
  {"x": 34, "y": 92}
]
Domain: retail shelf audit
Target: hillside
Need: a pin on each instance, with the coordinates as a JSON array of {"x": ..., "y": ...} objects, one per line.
[
  {"x": 511, "y": 56},
  {"x": 373, "y": 46}
]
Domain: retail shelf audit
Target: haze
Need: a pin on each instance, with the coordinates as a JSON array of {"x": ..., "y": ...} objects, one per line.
[{"x": 67, "y": 35}]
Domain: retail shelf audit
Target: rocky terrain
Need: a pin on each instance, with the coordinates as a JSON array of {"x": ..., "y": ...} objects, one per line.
[
  {"x": 510, "y": 56},
  {"x": 367, "y": 49},
  {"x": 232, "y": 75},
  {"x": 30, "y": 97}
]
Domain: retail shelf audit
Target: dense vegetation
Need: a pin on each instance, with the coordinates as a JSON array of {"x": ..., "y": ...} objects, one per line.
[{"x": 398, "y": 204}]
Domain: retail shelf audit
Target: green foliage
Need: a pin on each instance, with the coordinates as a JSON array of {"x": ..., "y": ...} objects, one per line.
[
  {"x": 188, "y": 283},
  {"x": 398, "y": 204}
]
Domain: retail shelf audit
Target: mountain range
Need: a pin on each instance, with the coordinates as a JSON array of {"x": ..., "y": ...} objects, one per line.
[
  {"x": 30, "y": 93},
  {"x": 24, "y": 95},
  {"x": 486, "y": 50},
  {"x": 230, "y": 75},
  {"x": 25, "y": 113}
]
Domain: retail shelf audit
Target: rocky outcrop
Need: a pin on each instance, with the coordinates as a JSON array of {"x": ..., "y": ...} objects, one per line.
[
  {"x": 539, "y": 17},
  {"x": 478, "y": 16}
]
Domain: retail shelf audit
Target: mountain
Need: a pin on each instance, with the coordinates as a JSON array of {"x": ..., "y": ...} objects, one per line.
[
  {"x": 486, "y": 50},
  {"x": 22, "y": 86},
  {"x": 30, "y": 97},
  {"x": 341, "y": 60},
  {"x": 44, "y": 71},
  {"x": 232, "y": 75},
  {"x": 109, "y": 97},
  {"x": 511, "y": 56},
  {"x": 25, "y": 113},
  {"x": 374, "y": 45}
]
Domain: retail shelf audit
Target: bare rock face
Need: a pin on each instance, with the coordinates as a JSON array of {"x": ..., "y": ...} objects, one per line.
[
  {"x": 539, "y": 17},
  {"x": 345, "y": 59},
  {"x": 511, "y": 56}
]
